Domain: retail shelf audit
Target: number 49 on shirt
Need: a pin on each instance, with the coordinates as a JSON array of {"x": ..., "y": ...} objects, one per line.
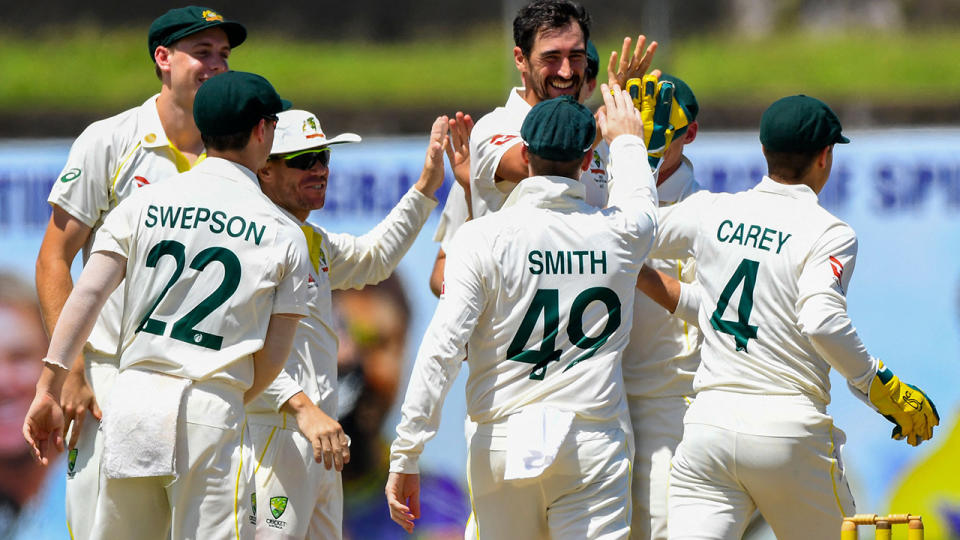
[{"x": 546, "y": 301}]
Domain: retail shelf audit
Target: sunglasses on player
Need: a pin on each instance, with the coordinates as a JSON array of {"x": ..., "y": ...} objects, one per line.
[{"x": 306, "y": 160}]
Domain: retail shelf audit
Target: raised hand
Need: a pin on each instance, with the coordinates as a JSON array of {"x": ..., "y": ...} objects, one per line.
[
  {"x": 619, "y": 116},
  {"x": 432, "y": 176},
  {"x": 622, "y": 67}
]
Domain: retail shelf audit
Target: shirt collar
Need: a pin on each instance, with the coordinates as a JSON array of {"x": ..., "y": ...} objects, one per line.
[
  {"x": 516, "y": 102},
  {"x": 796, "y": 191},
  {"x": 678, "y": 185},
  {"x": 547, "y": 192},
  {"x": 230, "y": 170},
  {"x": 151, "y": 130}
]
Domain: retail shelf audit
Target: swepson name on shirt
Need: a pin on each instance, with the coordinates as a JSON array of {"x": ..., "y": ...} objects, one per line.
[{"x": 191, "y": 217}]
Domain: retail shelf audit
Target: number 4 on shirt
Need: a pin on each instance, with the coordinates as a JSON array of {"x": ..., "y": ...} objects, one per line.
[
  {"x": 741, "y": 330},
  {"x": 547, "y": 301}
]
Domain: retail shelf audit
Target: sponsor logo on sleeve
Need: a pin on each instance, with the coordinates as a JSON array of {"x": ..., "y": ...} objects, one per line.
[
  {"x": 837, "y": 267},
  {"x": 72, "y": 174},
  {"x": 501, "y": 139}
]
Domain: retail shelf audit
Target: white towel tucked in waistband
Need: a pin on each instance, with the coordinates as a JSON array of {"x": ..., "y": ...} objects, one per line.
[
  {"x": 140, "y": 425},
  {"x": 533, "y": 440}
]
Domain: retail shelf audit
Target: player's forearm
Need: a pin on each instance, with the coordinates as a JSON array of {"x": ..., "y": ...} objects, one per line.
[
  {"x": 371, "y": 258},
  {"x": 632, "y": 186},
  {"x": 823, "y": 320},
  {"x": 104, "y": 271},
  {"x": 54, "y": 284},
  {"x": 436, "y": 275},
  {"x": 661, "y": 288},
  {"x": 268, "y": 362}
]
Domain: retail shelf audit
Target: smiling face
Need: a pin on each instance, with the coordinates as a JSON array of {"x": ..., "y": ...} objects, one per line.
[
  {"x": 297, "y": 191},
  {"x": 190, "y": 61},
  {"x": 556, "y": 65}
]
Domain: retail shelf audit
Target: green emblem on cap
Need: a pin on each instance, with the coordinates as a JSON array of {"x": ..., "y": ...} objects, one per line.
[
  {"x": 72, "y": 462},
  {"x": 72, "y": 174},
  {"x": 253, "y": 502},
  {"x": 277, "y": 506}
]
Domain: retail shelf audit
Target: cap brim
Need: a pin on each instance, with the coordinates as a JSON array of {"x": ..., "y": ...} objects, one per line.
[
  {"x": 344, "y": 138},
  {"x": 842, "y": 140},
  {"x": 285, "y": 104}
]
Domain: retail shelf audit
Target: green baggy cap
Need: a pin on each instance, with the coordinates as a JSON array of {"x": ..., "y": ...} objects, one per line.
[
  {"x": 559, "y": 129},
  {"x": 799, "y": 124},
  {"x": 179, "y": 23},
  {"x": 233, "y": 102}
]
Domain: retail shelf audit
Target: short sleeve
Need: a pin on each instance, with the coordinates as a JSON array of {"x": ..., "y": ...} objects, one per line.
[
  {"x": 116, "y": 235},
  {"x": 83, "y": 187},
  {"x": 488, "y": 143},
  {"x": 292, "y": 290}
]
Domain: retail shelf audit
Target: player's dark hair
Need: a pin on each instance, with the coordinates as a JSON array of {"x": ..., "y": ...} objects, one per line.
[
  {"x": 223, "y": 143},
  {"x": 541, "y": 15},
  {"x": 789, "y": 166},
  {"x": 546, "y": 167}
]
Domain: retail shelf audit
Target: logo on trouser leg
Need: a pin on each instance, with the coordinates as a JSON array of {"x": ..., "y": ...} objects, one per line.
[
  {"x": 277, "y": 507},
  {"x": 72, "y": 463},
  {"x": 253, "y": 505}
]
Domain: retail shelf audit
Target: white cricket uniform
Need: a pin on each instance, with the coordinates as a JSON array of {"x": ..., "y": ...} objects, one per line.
[
  {"x": 209, "y": 260},
  {"x": 492, "y": 135},
  {"x": 546, "y": 252},
  {"x": 110, "y": 160},
  {"x": 658, "y": 367},
  {"x": 311, "y": 495},
  {"x": 773, "y": 267}
]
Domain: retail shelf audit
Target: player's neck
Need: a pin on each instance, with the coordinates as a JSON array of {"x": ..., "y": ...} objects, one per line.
[
  {"x": 666, "y": 172},
  {"x": 178, "y": 123},
  {"x": 250, "y": 157}
]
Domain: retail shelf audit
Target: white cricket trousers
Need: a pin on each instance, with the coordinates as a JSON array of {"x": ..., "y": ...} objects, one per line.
[
  {"x": 296, "y": 497},
  {"x": 721, "y": 475},
  {"x": 204, "y": 501},
  {"x": 83, "y": 461},
  {"x": 583, "y": 494},
  {"x": 657, "y": 429}
]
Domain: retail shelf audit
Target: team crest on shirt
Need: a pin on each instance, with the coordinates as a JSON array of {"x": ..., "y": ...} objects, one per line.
[
  {"x": 210, "y": 15},
  {"x": 311, "y": 129},
  {"x": 72, "y": 463},
  {"x": 837, "y": 267},
  {"x": 597, "y": 165},
  {"x": 278, "y": 505},
  {"x": 323, "y": 261}
]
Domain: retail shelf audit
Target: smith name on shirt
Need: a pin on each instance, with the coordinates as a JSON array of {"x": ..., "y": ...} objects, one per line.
[
  {"x": 191, "y": 217},
  {"x": 567, "y": 262}
]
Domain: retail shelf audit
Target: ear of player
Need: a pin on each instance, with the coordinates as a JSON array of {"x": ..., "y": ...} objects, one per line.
[
  {"x": 663, "y": 116},
  {"x": 905, "y": 405}
]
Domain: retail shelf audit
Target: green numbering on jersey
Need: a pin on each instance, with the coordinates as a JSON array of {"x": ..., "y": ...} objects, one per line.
[
  {"x": 547, "y": 301},
  {"x": 183, "y": 329},
  {"x": 741, "y": 330}
]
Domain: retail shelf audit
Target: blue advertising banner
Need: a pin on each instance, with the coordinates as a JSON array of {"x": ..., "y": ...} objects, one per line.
[{"x": 899, "y": 189}]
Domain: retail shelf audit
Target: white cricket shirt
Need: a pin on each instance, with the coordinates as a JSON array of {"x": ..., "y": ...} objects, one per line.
[
  {"x": 774, "y": 268},
  {"x": 542, "y": 294},
  {"x": 110, "y": 160},
  {"x": 664, "y": 351},
  {"x": 209, "y": 259},
  {"x": 340, "y": 261},
  {"x": 492, "y": 136}
]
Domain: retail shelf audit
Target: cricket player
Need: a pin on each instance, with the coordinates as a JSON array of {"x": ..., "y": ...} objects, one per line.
[
  {"x": 111, "y": 160},
  {"x": 293, "y": 427},
  {"x": 216, "y": 281},
  {"x": 549, "y": 456},
  {"x": 551, "y": 53},
  {"x": 773, "y": 269},
  {"x": 664, "y": 351}
]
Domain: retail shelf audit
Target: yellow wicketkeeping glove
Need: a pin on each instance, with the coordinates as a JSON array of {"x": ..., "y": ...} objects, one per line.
[
  {"x": 904, "y": 405},
  {"x": 662, "y": 115}
]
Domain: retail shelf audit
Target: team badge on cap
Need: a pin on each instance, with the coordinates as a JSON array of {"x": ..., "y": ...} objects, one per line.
[{"x": 209, "y": 15}]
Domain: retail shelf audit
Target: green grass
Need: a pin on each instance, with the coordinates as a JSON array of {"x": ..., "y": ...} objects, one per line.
[{"x": 94, "y": 69}]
